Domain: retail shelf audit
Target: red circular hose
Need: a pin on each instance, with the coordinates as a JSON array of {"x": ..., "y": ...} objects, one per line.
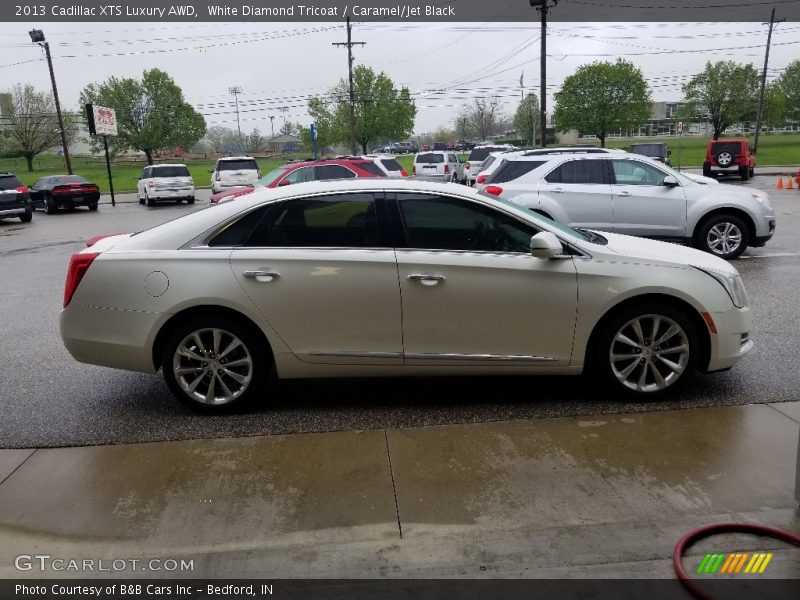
[{"x": 703, "y": 532}]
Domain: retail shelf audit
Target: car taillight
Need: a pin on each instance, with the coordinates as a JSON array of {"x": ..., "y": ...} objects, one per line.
[
  {"x": 481, "y": 179},
  {"x": 414, "y": 169},
  {"x": 403, "y": 173},
  {"x": 78, "y": 265},
  {"x": 87, "y": 187},
  {"x": 447, "y": 168},
  {"x": 22, "y": 189},
  {"x": 466, "y": 166},
  {"x": 259, "y": 173},
  {"x": 152, "y": 183},
  {"x": 93, "y": 240},
  {"x": 216, "y": 176},
  {"x": 494, "y": 190}
]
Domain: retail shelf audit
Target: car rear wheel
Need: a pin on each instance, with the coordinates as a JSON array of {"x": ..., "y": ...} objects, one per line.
[
  {"x": 27, "y": 216},
  {"x": 149, "y": 201},
  {"x": 49, "y": 207},
  {"x": 647, "y": 350},
  {"x": 93, "y": 207},
  {"x": 744, "y": 173},
  {"x": 215, "y": 364},
  {"x": 726, "y": 236},
  {"x": 190, "y": 200}
]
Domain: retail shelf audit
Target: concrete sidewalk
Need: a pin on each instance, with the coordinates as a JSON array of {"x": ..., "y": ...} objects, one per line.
[{"x": 572, "y": 497}]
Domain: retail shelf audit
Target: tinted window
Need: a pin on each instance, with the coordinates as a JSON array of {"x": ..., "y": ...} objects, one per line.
[
  {"x": 342, "y": 220},
  {"x": 442, "y": 223},
  {"x": 61, "y": 180},
  {"x": 301, "y": 175},
  {"x": 479, "y": 154},
  {"x": 371, "y": 167},
  {"x": 40, "y": 183},
  {"x": 391, "y": 164},
  {"x": 513, "y": 169},
  {"x": 238, "y": 232},
  {"x": 9, "y": 182},
  {"x": 649, "y": 149},
  {"x": 439, "y": 146},
  {"x": 488, "y": 162},
  {"x": 334, "y": 172},
  {"x": 170, "y": 172},
  {"x": 633, "y": 172},
  {"x": 146, "y": 172},
  {"x": 237, "y": 165},
  {"x": 430, "y": 158},
  {"x": 579, "y": 171},
  {"x": 732, "y": 147}
]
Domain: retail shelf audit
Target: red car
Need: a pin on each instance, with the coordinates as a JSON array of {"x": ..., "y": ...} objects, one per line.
[
  {"x": 729, "y": 157},
  {"x": 307, "y": 170}
]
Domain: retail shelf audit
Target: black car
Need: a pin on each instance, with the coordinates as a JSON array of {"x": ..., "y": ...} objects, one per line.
[
  {"x": 15, "y": 201},
  {"x": 64, "y": 191},
  {"x": 659, "y": 151}
]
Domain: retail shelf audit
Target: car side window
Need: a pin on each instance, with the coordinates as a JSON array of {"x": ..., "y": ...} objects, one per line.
[
  {"x": 578, "y": 171},
  {"x": 239, "y": 231},
  {"x": 301, "y": 175},
  {"x": 334, "y": 172},
  {"x": 38, "y": 183},
  {"x": 443, "y": 223},
  {"x": 334, "y": 221},
  {"x": 633, "y": 172}
]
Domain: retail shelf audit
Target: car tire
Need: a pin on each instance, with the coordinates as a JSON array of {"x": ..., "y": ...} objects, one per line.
[
  {"x": 178, "y": 200},
  {"x": 706, "y": 170},
  {"x": 190, "y": 378},
  {"x": 27, "y": 216},
  {"x": 724, "y": 158},
  {"x": 190, "y": 200},
  {"x": 725, "y": 236},
  {"x": 149, "y": 201},
  {"x": 93, "y": 207},
  {"x": 49, "y": 207},
  {"x": 744, "y": 173},
  {"x": 141, "y": 201},
  {"x": 752, "y": 172},
  {"x": 645, "y": 351}
]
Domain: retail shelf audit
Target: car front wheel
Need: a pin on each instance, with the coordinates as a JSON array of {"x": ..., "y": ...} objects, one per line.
[
  {"x": 647, "y": 350},
  {"x": 725, "y": 236},
  {"x": 215, "y": 364},
  {"x": 27, "y": 216}
]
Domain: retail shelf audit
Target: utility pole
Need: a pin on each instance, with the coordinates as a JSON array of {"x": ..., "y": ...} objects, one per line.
[
  {"x": 542, "y": 7},
  {"x": 235, "y": 90},
  {"x": 350, "y": 45},
  {"x": 283, "y": 110},
  {"x": 37, "y": 37},
  {"x": 772, "y": 21},
  {"x": 272, "y": 124}
]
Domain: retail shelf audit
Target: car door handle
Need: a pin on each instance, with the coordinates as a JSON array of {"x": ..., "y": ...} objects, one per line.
[
  {"x": 623, "y": 193},
  {"x": 426, "y": 279},
  {"x": 262, "y": 276},
  {"x": 557, "y": 190}
]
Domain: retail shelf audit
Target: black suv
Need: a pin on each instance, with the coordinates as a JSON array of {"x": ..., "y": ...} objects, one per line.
[
  {"x": 658, "y": 152},
  {"x": 15, "y": 201}
]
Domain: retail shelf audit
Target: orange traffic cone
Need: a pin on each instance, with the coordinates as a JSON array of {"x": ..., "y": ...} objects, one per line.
[
  {"x": 790, "y": 184},
  {"x": 780, "y": 183}
]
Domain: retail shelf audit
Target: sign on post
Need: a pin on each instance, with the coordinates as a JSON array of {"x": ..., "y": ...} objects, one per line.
[
  {"x": 680, "y": 128},
  {"x": 103, "y": 121}
]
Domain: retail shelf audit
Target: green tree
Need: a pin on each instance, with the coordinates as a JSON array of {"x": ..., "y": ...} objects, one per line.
[
  {"x": 789, "y": 84},
  {"x": 725, "y": 93},
  {"x": 526, "y": 118},
  {"x": 381, "y": 111},
  {"x": 602, "y": 98},
  {"x": 775, "y": 106},
  {"x": 32, "y": 126},
  {"x": 152, "y": 114}
]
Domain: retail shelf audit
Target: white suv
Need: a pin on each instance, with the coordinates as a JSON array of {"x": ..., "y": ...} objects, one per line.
[
  {"x": 234, "y": 171},
  {"x": 388, "y": 164},
  {"x": 165, "y": 182},
  {"x": 476, "y": 157},
  {"x": 634, "y": 195},
  {"x": 439, "y": 166}
]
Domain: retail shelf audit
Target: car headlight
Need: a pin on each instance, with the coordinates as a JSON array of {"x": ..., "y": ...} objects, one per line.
[
  {"x": 733, "y": 284},
  {"x": 762, "y": 199}
]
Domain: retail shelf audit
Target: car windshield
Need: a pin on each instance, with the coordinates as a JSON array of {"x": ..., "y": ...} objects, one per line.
[
  {"x": 584, "y": 235},
  {"x": 271, "y": 176},
  {"x": 237, "y": 165},
  {"x": 170, "y": 172},
  {"x": 648, "y": 149}
]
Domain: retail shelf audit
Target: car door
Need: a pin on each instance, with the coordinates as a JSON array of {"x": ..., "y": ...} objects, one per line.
[
  {"x": 318, "y": 271},
  {"x": 642, "y": 204},
  {"x": 36, "y": 192},
  {"x": 580, "y": 188},
  {"x": 472, "y": 293}
]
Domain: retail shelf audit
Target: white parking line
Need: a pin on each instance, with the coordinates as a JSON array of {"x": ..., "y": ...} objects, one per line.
[{"x": 774, "y": 255}]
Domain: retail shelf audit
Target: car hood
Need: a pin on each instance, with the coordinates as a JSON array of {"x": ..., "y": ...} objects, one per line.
[
  {"x": 700, "y": 178},
  {"x": 643, "y": 250}
]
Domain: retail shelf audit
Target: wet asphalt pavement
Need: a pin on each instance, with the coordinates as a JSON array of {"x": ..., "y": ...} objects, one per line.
[{"x": 47, "y": 399}]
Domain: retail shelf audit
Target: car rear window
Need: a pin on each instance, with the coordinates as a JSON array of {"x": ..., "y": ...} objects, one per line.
[
  {"x": 513, "y": 169},
  {"x": 430, "y": 158},
  {"x": 648, "y": 149},
  {"x": 479, "y": 154},
  {"x": 391, "y": 164},
  {"x": 172, "y": 171},
  {"x": 371, "y": 167},
  {"x": 732, "y": 147},
  {"x": 9, "y": 182},
  {"x": 237, "y": 165},
  {"x": 67, "y": 179}
]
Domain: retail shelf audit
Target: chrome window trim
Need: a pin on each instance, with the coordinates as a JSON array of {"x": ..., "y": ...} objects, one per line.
[{"x": 482, "y": 357}]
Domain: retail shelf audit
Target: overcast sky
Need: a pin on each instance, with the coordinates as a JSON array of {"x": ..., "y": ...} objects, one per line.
[{"x": 444, "y": 66}]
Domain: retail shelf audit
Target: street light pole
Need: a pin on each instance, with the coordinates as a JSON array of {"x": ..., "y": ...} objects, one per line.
[
  {"x": 272, "y": 124},
  {"x": 236, "y": 90},
  {"x": 37, "y": 37}
]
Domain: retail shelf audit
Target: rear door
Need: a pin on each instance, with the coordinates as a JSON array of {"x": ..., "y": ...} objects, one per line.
[
  {"x": 642, "y": 204},
  {"x": 238, "y": 172},
  {"x": 580, "y": 188},
  {"x": 430, "y": 164}
]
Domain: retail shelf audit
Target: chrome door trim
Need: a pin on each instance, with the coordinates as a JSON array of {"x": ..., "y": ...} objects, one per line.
[
  {"x": 484, "y": 357},
  {"x": 358, "y": 354}
]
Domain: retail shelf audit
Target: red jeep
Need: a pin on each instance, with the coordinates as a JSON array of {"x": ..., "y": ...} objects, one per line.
[{"x": 729, "y": 157}]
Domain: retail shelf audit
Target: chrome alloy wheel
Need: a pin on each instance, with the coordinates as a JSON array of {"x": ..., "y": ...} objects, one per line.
[
  {"x": 649, "y": 353},
  {"x": 724, "y": 159},
  {"x": 724, "y": 238},
  {"x": 212, "y": 366}
]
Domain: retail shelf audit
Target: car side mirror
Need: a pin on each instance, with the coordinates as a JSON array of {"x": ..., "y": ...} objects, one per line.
[
  {"x": 545, "y": 245},
  {"x": 670, "y": 181},
  {"x": 284, "y": 182}
]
